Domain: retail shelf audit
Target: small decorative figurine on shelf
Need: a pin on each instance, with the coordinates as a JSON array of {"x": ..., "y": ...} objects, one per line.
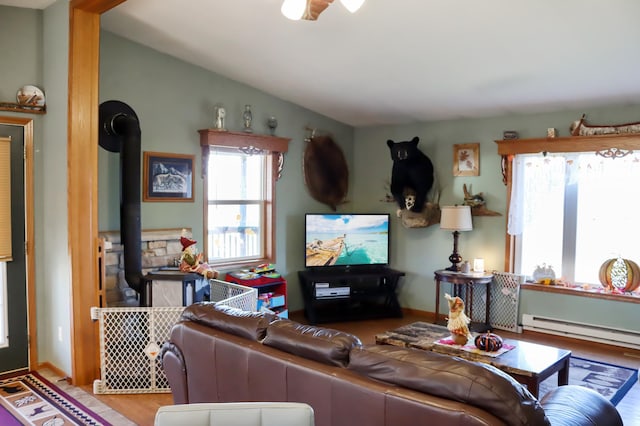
[
  {"x": 247, "y": 116},
  {"x": 477, "y": 203},
  {"x": 544, "y": 274},
  {"x": 220, "y": 115},
  {"x": 458, "y": 321},
  {"x": 272, "y": 123},
  {"x": 510, "y": 135},
  {"x": 191, "y": 260}
]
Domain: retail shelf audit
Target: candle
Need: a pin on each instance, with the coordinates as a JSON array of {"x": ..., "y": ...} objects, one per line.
[{"x": 478, "y": 265}]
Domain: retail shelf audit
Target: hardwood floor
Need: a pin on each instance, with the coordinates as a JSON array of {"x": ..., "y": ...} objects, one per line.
[{"x": 141, "y": 408}]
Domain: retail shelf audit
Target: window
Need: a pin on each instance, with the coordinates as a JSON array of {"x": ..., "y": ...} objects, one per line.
[
  {"x": 241, "y": 170},
  {"x": 573, "y": 211},
  {"x": 237, "y": 205},
  {"x": 5, "y": 234}
]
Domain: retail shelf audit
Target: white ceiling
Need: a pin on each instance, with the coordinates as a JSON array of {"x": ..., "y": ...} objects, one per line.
[
  {"x": 30, "y": 4},
  {"x": 404, "y": 61}
]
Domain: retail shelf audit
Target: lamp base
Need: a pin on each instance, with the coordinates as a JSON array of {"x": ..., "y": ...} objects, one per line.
[{"x": 455, "y": 257}]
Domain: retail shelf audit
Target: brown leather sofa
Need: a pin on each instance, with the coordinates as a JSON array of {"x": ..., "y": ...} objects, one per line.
[{"x": 221, "y": 354}]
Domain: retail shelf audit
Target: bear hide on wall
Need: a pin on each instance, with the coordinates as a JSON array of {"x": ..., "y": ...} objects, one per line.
[
  {"x": 325, "y": 171},
  {"x": 412, "y": 170}
]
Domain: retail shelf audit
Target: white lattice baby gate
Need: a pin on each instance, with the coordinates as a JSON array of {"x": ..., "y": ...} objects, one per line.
[
  {"x": 131, "y": 338},
  {"x": 505, "y": 300}
]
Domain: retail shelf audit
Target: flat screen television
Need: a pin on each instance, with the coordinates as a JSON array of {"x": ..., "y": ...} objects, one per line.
[{"x": 346, "y": 240}]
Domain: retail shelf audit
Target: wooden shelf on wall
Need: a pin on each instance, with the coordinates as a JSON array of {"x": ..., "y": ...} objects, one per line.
[{"x": 29, "y": 109}]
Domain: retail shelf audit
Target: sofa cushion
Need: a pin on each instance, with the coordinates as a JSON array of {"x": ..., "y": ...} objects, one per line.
[
  {"x": 320, "y": 344},
  {"x": 250, "y": 325},
  {"x": 477, "y": 384}
]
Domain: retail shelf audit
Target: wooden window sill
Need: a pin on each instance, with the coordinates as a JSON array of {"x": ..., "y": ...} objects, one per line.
[{"x": 629, "y": 297}]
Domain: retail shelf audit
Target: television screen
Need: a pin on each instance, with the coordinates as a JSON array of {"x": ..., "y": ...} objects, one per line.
[{"x": 346, "y": 240}]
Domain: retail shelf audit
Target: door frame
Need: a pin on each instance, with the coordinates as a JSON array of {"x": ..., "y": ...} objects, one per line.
[{"x": 30, "y": 264}]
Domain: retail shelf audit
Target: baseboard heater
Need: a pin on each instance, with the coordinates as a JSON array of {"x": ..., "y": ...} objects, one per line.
[{"x": 578, "y": 330}]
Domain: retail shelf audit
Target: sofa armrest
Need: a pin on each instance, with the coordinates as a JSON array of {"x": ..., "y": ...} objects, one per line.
[
  {"x": 578, "y": 406},
  {"x": 176, "y": 371}
]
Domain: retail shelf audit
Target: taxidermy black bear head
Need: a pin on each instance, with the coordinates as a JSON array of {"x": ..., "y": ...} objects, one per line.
[
  {"x": 401, "y": 151},
  {"x": 411, "y": 170}
]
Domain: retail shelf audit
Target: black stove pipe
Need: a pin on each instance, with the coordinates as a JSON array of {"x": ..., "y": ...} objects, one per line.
[{"x": 120, "y": 132}]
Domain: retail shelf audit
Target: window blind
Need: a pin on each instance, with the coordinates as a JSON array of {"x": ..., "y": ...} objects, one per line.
[{"x": 5, "y": 199}]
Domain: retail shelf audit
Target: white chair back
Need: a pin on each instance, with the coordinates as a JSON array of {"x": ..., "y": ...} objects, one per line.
[{"x": 236, "y": 414}]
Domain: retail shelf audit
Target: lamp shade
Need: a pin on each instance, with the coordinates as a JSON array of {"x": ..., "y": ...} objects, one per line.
[{"x": 456, "y": 218}]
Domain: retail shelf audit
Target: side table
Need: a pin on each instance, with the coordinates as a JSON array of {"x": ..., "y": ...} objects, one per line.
[{"x": 466, "y": 281}]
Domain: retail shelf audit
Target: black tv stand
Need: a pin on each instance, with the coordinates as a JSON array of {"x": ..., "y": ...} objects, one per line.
[{"x": 345, "y": 294}]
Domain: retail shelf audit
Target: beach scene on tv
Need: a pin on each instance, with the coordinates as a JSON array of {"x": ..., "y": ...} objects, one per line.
[{"x": 347, "y": 240}]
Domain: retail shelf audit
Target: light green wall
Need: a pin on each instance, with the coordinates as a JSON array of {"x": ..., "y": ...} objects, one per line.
[
  {"x": 420, "y": 251},
  {"x": 20, "y": 50},
  {"x": 173, "y": 100},
  {"x": 33, "y": 48},
  {"x": 54, "y": 265}
]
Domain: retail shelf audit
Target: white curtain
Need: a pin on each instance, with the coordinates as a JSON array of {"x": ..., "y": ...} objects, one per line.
[{"x": 534, "y": 178}]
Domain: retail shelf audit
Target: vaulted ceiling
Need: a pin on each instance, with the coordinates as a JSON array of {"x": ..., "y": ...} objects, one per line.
[{"x": 404, "y": 61}]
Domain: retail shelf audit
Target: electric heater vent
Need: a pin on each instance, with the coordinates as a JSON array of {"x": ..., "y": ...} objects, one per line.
[{"x": 578, "y": 330}]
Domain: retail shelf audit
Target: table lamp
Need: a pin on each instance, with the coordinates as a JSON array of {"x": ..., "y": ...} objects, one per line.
[{"x": 456, "y": 219}]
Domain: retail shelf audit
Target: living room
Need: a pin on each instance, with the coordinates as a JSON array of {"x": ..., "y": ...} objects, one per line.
[{"x": 156, "y": 85}]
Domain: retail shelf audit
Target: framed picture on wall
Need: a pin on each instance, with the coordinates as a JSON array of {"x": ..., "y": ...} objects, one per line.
[
  {"x": 168, "y": 177},
  {"x": 466, "y": 159}
]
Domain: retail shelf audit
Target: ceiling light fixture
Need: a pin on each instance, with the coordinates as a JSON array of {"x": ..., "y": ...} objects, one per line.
[{"x": 311, "y": 9}]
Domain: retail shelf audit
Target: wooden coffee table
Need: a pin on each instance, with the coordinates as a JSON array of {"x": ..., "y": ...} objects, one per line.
[{"x": 528, "y": 363}]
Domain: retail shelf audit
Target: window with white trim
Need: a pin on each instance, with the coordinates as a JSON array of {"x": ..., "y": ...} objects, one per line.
[
  {"x": 237, "y": 206},
  {"x": 573, "y": 211},
  {"x": 240, "y": 171}
]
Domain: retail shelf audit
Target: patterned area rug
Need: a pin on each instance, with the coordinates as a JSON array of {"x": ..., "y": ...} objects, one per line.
[
  {"x": 30, "y": 399},
  {"x": 610, "y": 381}
]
